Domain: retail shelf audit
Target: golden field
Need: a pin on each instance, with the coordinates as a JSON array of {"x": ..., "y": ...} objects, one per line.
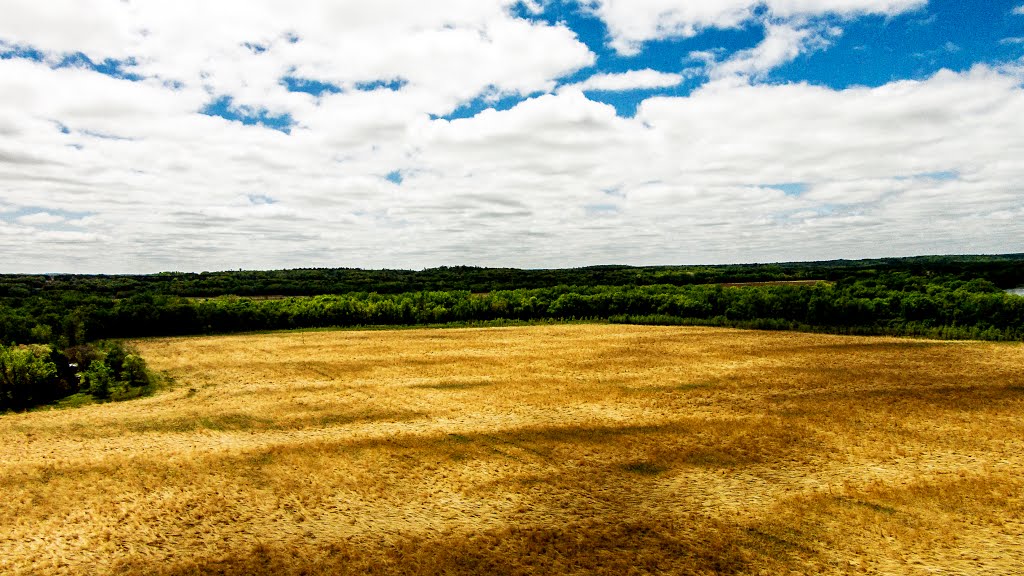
[{"x": 565, "y": 449}]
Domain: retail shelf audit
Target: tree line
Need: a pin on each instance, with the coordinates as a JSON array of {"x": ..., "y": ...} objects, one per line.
[
  {"x": 61, "y": 334},
  {"x": 1002, "y": 270},
  {"x": 891, "y": 303}
]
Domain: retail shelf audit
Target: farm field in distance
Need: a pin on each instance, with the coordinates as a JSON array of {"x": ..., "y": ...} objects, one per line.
[{"x": 562, "y": 449}]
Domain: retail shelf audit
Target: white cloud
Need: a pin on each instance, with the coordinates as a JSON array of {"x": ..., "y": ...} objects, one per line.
[
  {"x": 1019, "y": 10},
  {"x": 842, "y": 7},
  {"x": 782, "y": 44},
  {"x": 631, "y": 80},
  {"x": 100, "y": 28},
  {"x": 633, "y": 22},
  {"x": 455, "y": 49},
  {"x": 90, "y": 101},
  {"x": 40, "y": 219},
  {"x": 557, "y": 180}
]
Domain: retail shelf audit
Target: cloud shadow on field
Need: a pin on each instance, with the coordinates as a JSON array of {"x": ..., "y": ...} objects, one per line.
[
  {"x": 247, "y": 422},
  {"x": 453, "y": 385},
  {"x": 698, "y": 442},
  {"x": 597, "y": 546},
  {"x": 910, "y": 402}
]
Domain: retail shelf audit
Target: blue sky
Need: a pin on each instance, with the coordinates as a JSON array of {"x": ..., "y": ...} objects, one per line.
[
  {"x": 871, "y": 51},
  {"x": 136, "y": 137}
]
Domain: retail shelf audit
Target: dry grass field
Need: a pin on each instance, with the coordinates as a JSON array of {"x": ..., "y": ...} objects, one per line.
[{"x": 567, "y": 449}]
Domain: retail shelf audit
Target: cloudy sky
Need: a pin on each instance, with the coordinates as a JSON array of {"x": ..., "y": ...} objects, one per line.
[{"x": 147, "y": 135}]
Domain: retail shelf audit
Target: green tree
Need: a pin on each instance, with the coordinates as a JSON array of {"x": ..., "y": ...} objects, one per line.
[
  {"x": 133, "y": 371},
  {"x": 98, "y": 379},
  {"x": 26, "y": 375}
]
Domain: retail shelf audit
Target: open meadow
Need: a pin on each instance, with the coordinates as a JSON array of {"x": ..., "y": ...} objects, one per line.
[{"x": 562, "y": 449}]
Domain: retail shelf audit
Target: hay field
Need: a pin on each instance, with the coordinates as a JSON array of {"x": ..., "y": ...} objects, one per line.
[{"x": 572, "y": 449}]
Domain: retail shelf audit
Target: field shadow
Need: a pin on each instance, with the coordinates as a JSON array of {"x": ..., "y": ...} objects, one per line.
[
  {"x": 645, "y": 468},
  {"x": 453, "y": 385},
  {"x": 237, "y": 421},
  {"x": 599, "y": 546},
  {"x": 655, "y": 448},
  {"x": 946, "y": 398},
  {"x": 680, "y": 387},
  {"x": 875, "y": 348}
]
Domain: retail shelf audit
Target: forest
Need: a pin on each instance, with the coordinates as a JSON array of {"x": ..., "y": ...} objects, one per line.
[{"x": 50, "y": 322}]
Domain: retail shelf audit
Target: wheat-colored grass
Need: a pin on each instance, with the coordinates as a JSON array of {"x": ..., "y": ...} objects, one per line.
[{"x": 572, "y": 449}]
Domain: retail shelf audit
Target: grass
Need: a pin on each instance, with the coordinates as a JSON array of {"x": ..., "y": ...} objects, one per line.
[
  {"x": 73, "y": 401},
  {"x": 568, "y": 449}
]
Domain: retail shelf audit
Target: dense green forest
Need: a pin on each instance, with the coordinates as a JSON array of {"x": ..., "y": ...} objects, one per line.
[
  {"x": 47, "y": 322},
  {"x": 1004, "y": 271}
]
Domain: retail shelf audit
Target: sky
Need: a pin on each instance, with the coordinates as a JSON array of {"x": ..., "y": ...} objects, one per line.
[{"x": 140, "y": 136}]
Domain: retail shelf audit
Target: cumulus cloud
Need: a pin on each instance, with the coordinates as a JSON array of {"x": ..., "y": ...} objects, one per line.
[
  {"x": 40, "y": 219},
  {"x": 107, "y": 174},
  {"x": 453, "y": 50},
  {"x": 632, "y": 80},
  {"x": 782, "y": 44},
  {"x": 688, "y": 176},
  {"x": 633, "y": 22}
]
